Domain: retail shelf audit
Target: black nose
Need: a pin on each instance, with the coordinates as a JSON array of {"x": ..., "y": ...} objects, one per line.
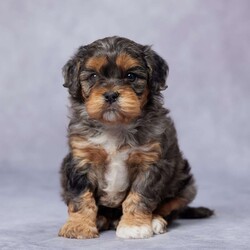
[{"x": 110, "y": 97}]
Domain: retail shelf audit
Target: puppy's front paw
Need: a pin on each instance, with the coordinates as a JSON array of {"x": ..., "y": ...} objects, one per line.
[
  {"x": 159, "y": 225},
  {"x": 134, "y": 232},
  {"x": 133, "y": 228},
  {"x": 78, "y": 230}
]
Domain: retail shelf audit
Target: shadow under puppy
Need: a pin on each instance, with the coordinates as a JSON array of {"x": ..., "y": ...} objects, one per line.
[{"x": 124, "y": 169}]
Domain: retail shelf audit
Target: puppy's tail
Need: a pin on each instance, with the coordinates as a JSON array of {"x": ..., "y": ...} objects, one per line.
[
  {"x": 195, "y": 213},
  {"x": 189, "y": 213}
]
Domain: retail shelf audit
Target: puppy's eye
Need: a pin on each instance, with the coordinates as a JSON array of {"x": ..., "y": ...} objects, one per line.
[
  {"x": 131, "y": 77},
  {"x": 93, "y": 77}
]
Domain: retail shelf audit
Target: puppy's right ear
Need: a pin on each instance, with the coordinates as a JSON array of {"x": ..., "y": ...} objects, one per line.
[{"x": 71, "y": 77}]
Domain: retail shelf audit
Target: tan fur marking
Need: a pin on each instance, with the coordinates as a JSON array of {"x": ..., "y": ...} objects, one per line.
[
  {"x": 135, "y": 220},
  {"x": 94, "y": 155},
  {"x": 166, "y": 208},
  {"x": 88, "y": 153},
  {"x": 96, "y": 63},
  {"x": 81, "y": 223},
  {"x": 77, "y": 141},
  {"x": 96, "y": 103},
  {"x": 132, "y": 215},
  {"x": 126, "y": 62},
  {"x": 146, "y": 156},
  {"x": 128, "y": 104}
]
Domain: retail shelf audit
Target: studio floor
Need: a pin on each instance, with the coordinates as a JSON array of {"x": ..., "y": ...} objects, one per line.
[{"x": 32, "y": 212}]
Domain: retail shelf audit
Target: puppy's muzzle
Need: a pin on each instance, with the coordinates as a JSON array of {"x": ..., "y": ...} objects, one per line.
[{"x": 111, "y": 97}]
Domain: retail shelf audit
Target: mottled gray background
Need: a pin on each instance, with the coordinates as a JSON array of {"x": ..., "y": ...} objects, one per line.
[{"x": 206, "y": 44}]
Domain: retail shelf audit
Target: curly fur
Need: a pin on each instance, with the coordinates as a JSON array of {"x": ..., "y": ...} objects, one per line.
[{"x": 131, "y": 164}]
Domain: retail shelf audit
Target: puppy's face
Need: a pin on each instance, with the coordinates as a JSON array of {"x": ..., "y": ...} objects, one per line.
[
  {"x": 115, "y": 87},
  {"x": 114, "y": 78}
]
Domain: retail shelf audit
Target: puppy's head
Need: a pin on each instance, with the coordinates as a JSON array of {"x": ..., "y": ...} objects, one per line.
[{"x": 114, "y": 78}]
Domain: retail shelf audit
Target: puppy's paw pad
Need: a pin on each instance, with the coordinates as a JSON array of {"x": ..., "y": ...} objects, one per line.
[
  {"x": 134, "y": 232},
  {"x": 78, "y": 231},
  {"x": 159, "y": 225}
]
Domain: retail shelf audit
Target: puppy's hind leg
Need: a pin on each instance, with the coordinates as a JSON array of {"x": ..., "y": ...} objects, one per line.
[{"x": 159, "y": 224}]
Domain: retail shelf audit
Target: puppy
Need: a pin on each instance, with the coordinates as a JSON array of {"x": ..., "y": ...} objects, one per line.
[{"x": 124, "y": 169}]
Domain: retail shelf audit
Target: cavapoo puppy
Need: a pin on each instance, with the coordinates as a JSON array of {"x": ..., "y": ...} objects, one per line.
[{"x": 124, "y": 169}]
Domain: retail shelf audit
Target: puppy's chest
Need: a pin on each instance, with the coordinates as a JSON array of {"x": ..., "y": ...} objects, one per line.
[
  {"x": 114, "y": 176},
  {"x": 115, "y": 180}
]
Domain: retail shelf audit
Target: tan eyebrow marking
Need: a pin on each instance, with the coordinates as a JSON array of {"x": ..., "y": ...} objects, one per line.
[
  {"x": 96, "y": 63},
  {"x": 126, "y": 62}
]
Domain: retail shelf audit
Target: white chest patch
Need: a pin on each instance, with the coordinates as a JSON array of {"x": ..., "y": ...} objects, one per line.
[{"x": 116, "y": 175}]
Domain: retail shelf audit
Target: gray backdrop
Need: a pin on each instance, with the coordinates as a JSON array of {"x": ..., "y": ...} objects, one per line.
[{"x": 206, "y": 44}]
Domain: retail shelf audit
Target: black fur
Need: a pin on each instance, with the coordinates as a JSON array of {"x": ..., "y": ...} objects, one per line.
[
  {"x": 165, "y": 180},
  {"x": 73, "y": 179}
]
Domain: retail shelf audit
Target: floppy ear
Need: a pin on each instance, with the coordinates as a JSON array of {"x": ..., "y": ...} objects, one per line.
[
  {"x": 71, "y": 77},
  {"x": 158, "y": 70}
]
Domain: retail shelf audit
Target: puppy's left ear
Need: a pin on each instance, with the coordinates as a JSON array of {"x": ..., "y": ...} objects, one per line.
[{"x": 158, "y": 70}]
